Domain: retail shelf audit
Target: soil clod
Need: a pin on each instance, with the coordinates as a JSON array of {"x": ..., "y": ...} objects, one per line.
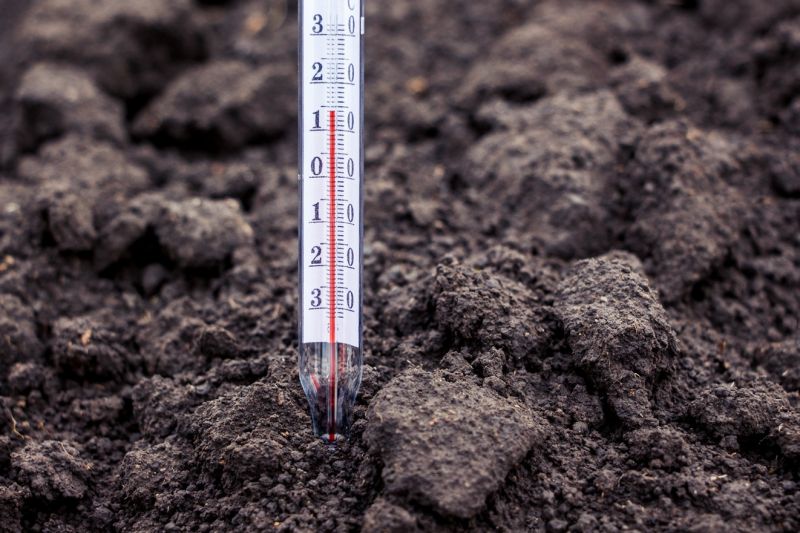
[{"x": 447, "y": 444}]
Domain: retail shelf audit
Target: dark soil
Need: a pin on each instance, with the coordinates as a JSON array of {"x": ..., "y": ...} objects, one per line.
[{"x": 582, "y": 279}]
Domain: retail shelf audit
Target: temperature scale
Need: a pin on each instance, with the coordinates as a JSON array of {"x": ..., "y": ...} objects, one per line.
[{"x": 331, "y": 224}]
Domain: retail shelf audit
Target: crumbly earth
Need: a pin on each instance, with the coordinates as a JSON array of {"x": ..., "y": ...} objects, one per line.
[{"x": 582, "y": 269}]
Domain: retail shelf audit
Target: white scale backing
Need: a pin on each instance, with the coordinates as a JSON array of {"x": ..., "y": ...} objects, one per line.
[{"x": 331, "y": 170}]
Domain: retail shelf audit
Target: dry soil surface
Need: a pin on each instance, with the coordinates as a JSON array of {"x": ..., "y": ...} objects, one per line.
[{"x": 582, "y": 269}]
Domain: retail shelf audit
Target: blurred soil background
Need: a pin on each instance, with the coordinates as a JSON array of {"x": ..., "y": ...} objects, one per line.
[{"x": 582, "y": 269}]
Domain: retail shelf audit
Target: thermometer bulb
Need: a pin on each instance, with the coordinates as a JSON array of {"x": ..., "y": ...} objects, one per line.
[{"x": 330, "y": 375}]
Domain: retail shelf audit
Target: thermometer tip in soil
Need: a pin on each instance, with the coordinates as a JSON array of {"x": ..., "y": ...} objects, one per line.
[{"x": 330, "y": 226}]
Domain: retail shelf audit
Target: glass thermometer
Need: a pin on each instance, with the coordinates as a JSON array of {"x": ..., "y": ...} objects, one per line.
[{"x": 331, "y": 224}]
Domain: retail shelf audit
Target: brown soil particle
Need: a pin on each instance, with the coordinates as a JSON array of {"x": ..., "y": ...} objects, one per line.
[
  {"x": 689, "y": 216},
  {"x": 11, "y": 499},
  {"x": 129, "y": 47},
  {"x": 55, "y": 99},
  {"x": 479, "y": 308},
  {"x": 17, "y": 332},
  {"x": 226, "y": 104},
  {"x": 755, "y": 416},
  {"x": 437, "y": 449},
  {"x": 618, "y": 331},
  {"x": 86, "y": 347},
  {"x": 581, "y": 271},
  {"x": 555, "y": 157},
  {"x": 202, "y": 233},
  {"x": 53, "y": 470}
]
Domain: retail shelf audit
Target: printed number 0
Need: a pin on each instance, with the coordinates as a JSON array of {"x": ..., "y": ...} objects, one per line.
[
  {"x": 316, "y": 166},
  {"x": 350, "y": 300}
]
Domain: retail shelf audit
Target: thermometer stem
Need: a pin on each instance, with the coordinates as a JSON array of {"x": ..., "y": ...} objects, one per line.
[{"x": 330, "y": 217}]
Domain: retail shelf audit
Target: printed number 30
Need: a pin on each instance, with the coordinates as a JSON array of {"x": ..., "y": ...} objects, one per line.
[
  {"x": 317, "y": 28},
  {"x": 316, "y": 297}
]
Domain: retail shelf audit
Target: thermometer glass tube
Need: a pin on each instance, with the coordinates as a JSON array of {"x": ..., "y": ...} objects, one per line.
[{"x": 330, "y": 225}]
